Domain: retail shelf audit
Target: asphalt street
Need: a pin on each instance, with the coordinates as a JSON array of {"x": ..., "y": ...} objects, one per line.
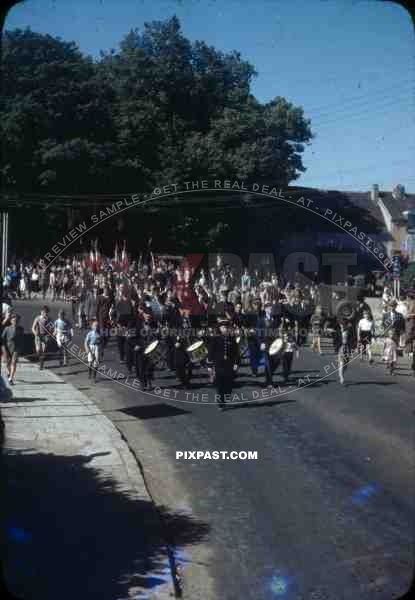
[{"x": 326, "y": 512}]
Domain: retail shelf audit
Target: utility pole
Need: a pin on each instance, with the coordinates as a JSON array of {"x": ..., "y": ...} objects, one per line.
[
  {"x": 4, "y": 219},
  {"x": 5, "y": 6}
]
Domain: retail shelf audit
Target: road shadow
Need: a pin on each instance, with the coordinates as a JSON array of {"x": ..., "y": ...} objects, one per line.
[
  {"x": 69, "y": 532},
  {"x": 294, "y": 372},
  {"x": 67, "y": 373},
  {"x": 154, "y": 411},
  {"x": 382, "y": 383},
  {"x": 23, "y": 400},
  {"x": 256, "y": 404},
  {"x": 40, "y": 382}
]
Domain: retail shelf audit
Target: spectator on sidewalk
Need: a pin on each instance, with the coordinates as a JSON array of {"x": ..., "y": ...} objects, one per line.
[
  {"x": 42, "y": 329},
  {"x": 12, "y": 338},
  {"x": 393, "y": 320},
  {"x": 344, "y": 352},
  {"x": 93, "y": 342},
  {"x": 390, "y": 352},
  {"x": 63, "y": 333}
]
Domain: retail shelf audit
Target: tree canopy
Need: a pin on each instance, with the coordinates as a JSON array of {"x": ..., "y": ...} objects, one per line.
[{"x": 158, "y": 110}]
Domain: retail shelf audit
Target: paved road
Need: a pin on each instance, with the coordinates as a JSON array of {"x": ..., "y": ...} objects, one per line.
[{"x": 326, "y": 512}]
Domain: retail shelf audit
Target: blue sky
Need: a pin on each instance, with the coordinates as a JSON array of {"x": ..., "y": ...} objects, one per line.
[{"x": 349, "y": 64}]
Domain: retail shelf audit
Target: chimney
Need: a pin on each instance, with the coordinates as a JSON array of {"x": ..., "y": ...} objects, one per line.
[
  {"x": 374, "y": 193},
  {"x": 398, "y": 193}
]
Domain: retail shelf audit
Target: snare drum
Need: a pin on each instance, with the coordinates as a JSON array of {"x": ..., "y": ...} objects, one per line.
[
  {"x": 153, "y": 352},
  {"x": 197, "y": 352},
  {"x": 276, "y": 347}
]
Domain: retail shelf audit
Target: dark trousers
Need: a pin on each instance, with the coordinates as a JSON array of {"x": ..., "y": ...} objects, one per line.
[
  {"x": 121, "y": 342},
  {"x": 224, "y": 383},
  {"x": 144, "y": 369},
  {"x": 287, "y": 360},
  {"x": 254, "y": 355},
  {"x": 271, "y": 365},
  {"x": 170, "y": 352},
  {"x": 302, "y": 334},
  {"x": 130, "y": 353},
  {"x": 74, "y": 310},
  {"x": 184, "y": 373},
  {"x": 123, "y": 321}
]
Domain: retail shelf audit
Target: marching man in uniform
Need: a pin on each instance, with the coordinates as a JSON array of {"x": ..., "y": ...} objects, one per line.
[
  {"x": 223, "y": 353},
  {"x": 182, "y": 362}
]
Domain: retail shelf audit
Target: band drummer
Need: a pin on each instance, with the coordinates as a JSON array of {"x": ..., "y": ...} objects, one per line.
[
  {"x": 267, "y": 333},
  {"x": 145, "y": 362},
  {"x": 223, "y": 353}
]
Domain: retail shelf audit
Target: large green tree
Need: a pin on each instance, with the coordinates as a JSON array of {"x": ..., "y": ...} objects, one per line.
[
  {"x": 57, "y": 128},
  {"x": 158, "y": 110}
]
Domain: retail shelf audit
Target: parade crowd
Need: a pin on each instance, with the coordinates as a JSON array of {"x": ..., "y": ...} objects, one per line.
[{"x": 176, "y": 316}]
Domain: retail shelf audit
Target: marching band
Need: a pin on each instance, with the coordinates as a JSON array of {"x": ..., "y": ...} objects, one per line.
[{"x": 184, "y": 344}]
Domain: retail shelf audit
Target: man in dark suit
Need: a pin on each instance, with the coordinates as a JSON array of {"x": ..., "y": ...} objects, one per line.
[
  {"x": 182, "y": 362},
  {"x": 146, "y": 332},
  {"x": 223, "y": 353},
  {"x": 267, "y": 327},
  {"x": 394, "y": 321},
  {"x": 253, "y": 321}
]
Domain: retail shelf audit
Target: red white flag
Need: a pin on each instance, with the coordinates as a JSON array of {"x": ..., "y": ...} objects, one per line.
[
  {"x": 92, "y": 260},
  {"x": 116, "y": 259},
  {"x": 124, "y": 259},
  {"x": 98, "y": 259}
]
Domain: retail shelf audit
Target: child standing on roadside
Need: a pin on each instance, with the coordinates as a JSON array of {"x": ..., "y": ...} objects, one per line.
[
  {"x": 92, "y": 346},
  {"x": 345, "y": 348},
  {"x": 316, "y": 329},
  {"x": 390, "y": 352},
  {"x": 12, "y": 338}
]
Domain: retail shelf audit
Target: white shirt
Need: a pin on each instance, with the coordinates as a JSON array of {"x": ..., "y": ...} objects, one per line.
[
  {"x": 403, "y": 309},
  {"x": 365, "y": 325},
  {"x": 5, "y": 310}
]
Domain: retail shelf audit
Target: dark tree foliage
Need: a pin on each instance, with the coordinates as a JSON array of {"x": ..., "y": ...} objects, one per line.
[{"x": 161, "y": 109}]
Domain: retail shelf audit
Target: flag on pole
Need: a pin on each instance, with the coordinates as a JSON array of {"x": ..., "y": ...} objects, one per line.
[
  {"x": 116, "y": 259},
  {"x": 124, "y": 258},
  {"x": 99, "y": 259},
  {"x": 92, "y": 259}
]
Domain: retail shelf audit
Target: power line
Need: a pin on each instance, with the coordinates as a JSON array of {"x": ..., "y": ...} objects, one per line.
[
  {"x": 365, "y": 97},
  {"x": 345, "y": 120},
  {"x": 372, "y": 107}
]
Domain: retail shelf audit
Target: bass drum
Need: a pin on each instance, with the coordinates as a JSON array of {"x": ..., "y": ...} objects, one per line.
[
  {"x": 197, "y": 352},
  {"x": 153, "y": 352},
  {"x": 276, "y": 346}
]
